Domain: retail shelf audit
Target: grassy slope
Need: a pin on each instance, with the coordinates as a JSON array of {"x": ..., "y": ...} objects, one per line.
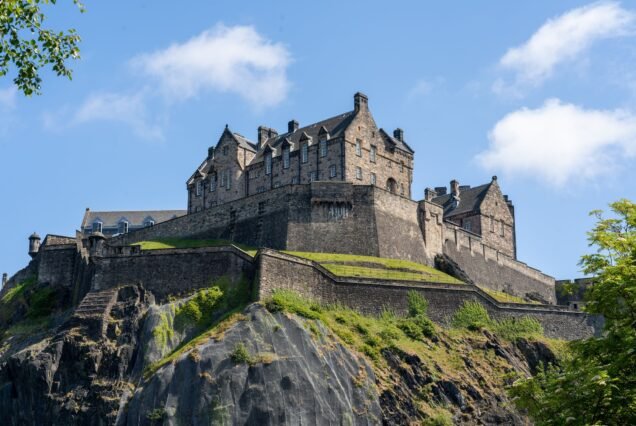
[
  {"x": 500, "y": 296},
  {"x": 386, "y": 268},
  {"x": 169, "y": 243}
]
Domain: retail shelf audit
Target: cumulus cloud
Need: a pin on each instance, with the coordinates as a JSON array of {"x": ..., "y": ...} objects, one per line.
[
  {"x": 560, "y": 143},
  {"x": 128, "y": 109},
  {"x": 563, "y": 39},
  {"x": 225, "y": 59},
  {"x": 8, "y": 97}
]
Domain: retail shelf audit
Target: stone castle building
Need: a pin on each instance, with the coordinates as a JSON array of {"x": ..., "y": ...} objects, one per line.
[{"x": 349, "y": 147}]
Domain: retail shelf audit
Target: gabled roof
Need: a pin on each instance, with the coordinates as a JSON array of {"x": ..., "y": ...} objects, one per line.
[
  {"x": 335, "y": 126},
  {"x": 469, "y": 200},
  {"x": 401, "y": 145},
  {"x": 244, "y": 142},
  {"x": 134, "y": 218}
]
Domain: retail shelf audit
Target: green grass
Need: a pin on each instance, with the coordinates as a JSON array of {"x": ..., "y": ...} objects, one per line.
[
  {"x": 171, "y": 243},
  {"x": 500, "y": 296},
  {"x": 474, "y": 316},
  {"x": 15, "y": 292},
  {"x": 344, "y": 265}
]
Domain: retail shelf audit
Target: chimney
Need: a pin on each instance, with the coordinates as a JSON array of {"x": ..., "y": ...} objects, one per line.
[
  {"x": 399, "y": 134},
  {"x": 429, "y": 194},
  {"x": 211, "y": 152},
  {"x": 265, "y": 133},
  {"x": 440, "y": 190},
  {"x": 292, "y": 126},
  {"x": 454, "y": 188},
  {"x": 5, "y": 278},
  {"x": 360, "y": 102}
]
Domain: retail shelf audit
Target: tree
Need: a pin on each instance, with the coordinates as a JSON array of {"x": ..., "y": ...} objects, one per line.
[
  {"x": 598, "y": 384},
  {"x": 26, "y": 45}
]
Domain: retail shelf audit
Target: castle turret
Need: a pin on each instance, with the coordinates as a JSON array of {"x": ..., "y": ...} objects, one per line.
[
  {"x": 96, "y": 242},
  {"x": 34, "y": 244}
]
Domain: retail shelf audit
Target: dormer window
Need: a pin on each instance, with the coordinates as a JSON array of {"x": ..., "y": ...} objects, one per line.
[
  {"x": 323, "y": 147},
  {"x": 268, "y": 163},
  {"x": 123, "y": 227},
  {"x": 149, "y": 222},
  {"x": 97, "y": 226},
  {"x": 286, "y": 157},
  {"x": 304, "y": 152}
]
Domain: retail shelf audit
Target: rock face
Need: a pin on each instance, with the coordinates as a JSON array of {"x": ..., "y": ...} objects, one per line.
[{"x": 99, "y": 367}]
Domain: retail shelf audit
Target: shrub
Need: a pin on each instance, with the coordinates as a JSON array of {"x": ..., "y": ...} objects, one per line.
[
  {"x": 515, "y": 328},
  {"x": 199, "y": 310},
  {"x": 472, "y": 315},
  {"x": 240, "y": 354},
  {"x": 410, "y": 328},
  {"x": 284, "y": 300},
  {"x": 440, "y": 418},
  {"x": 156, "y": 414},
  {"x": 418, "y": 305}
]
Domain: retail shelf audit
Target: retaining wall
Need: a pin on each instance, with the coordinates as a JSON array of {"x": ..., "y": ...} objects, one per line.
[{"x": 281, "y": 271}]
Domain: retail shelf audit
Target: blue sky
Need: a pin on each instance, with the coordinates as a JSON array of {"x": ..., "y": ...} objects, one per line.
[{"x": 542, "y": 94}]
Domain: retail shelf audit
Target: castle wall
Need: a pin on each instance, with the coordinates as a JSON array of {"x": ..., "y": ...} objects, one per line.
[
  {"x": 492, "y": 269},
  {"x": 56, "y": 264},
  {"x": 280, "y": 271},
  {"x": 171, "y": 271}
]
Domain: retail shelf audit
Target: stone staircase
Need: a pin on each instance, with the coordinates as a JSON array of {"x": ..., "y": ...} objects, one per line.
[{"x": 93, "y": 311}]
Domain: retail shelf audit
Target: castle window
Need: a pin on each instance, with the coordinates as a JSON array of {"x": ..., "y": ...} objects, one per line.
[
  {"x": 304, "y": 152},
  {"x": 323, "y": 147},
  {"x": 295, "y": 180},
  {"x": 268, "y": 163},
  {"x": 198, "y": 188},
  {"x": 502, "y": 228},
  {"x": 213, "y": 183},
  {"x": 358, "y": 173},
  {"x": 286, "y": 158},
  {"x": 149, "y": 222},
  {"x": 358, "y": 147},
  {"x": 332, "y": 171},
  {"x": 373, "y": 179},
  {"x": 401, "y": 166},
  {"x": 372, "y": 153},
  {"x": 223, "y": 179},
  {"x": 468, "y": 226},
  {"x": 313, "y": 176},
  {"x": 228, "y": 181},
  {"x": 225, "y": 150},
  {"x": 401, "y": 189},
  {"x": 97, "y": 226},
  {"x": 123, "y": 227},
  {"x": 492, "y": 224}
]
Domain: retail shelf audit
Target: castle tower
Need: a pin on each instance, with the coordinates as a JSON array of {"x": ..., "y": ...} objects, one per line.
[
  {"x": 34, "y": 244},
  {"x": 96, "y": 243}
]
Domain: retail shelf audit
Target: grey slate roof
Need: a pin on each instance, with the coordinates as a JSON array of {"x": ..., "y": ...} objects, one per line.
[
  {"x": 396, "y": 142},
  {"x": 244, "y": 142},
  {"x": 469, "y": 200},
  {"x": 134, "y": 218},
  {"x": 335, "y": 126}
]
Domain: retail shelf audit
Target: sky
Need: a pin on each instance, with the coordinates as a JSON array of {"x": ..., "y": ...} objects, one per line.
[{"x": 541, "y": 94}]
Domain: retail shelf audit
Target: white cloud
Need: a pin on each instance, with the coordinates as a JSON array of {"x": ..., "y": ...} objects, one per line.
[
  {"x": 8, "y": 98},
  {"x": 560, "y": 143},
  {"x": 127, "y": 109},
  {"x": 421, "y": 88},
  {"x": 226, "y": 59},
  {"x": 562, "y": 39}
]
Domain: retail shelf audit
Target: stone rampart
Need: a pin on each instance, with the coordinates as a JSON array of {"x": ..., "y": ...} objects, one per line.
[
  {"x": 172, "y": 271},
  {"x": 492, "y": 269},
  {"x": 281, "y": 271}
]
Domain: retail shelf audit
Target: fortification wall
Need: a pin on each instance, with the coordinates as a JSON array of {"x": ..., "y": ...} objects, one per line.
[
  {"x": 280, "y": 271},
  {"x": 492, "y": 269},
  {"x": 398, "y": 229},
  {"x": 56, "y": 264},
  {"x": 172, "y": 271}
]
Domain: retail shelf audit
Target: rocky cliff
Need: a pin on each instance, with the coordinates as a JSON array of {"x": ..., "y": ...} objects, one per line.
[{"x": 122, "y": 358}]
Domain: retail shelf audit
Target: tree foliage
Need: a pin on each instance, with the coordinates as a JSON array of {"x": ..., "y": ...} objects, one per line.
[
  {"x": 598, "y": 384},
  {"x": 27, "y": 46}
]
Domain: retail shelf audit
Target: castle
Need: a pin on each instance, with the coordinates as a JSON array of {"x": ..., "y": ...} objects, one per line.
[{"x": 341, "y": 185}]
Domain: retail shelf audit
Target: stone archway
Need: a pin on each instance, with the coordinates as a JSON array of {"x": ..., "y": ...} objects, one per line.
[{"x": 391, "y": 185}]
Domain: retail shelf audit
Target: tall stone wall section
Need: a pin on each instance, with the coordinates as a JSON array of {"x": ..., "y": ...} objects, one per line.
[
  {"x": 280, "y": 271},
  {"x": 492, "y": 269},
  {"x": 172, "y": 271}
]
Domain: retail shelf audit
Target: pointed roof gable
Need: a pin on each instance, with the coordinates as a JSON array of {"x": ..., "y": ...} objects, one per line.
[
  {"x": 469, "y": 200},
  {"x": 396, "y": 143}
]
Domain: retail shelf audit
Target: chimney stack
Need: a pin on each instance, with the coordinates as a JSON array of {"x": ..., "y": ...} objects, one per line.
[
  {"x": 454, "y": 188},
  {"x": 440, "y": 190},
  {"x": 360, "y": 102},
  {"x": 399, "y": 134},
  {"x": 292, "y": 126},
  {"x": 429, "y": 194},
  {"x": 211, "y": 152},
  {"x": 265, "y": 133}
]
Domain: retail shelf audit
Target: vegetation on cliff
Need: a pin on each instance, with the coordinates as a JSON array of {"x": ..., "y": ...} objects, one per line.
[{"x": 597, "y": 384}]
